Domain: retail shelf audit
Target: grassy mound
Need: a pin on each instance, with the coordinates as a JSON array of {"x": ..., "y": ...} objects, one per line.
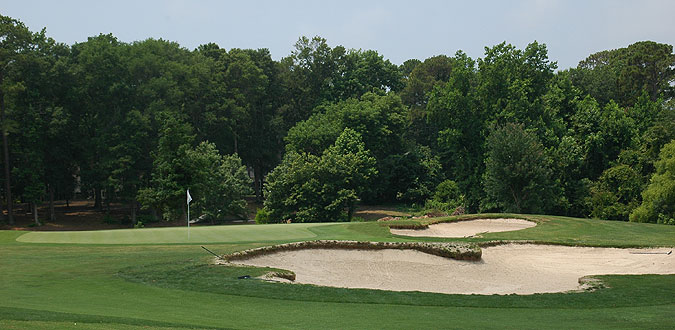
[{"x": 452, "y": 250}]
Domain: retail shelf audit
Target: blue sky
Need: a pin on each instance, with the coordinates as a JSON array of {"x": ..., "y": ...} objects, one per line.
[{"x": 399, "y": 30}]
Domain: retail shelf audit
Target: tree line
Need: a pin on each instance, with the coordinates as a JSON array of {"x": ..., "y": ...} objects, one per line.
[{"x": 326, "y": 127}]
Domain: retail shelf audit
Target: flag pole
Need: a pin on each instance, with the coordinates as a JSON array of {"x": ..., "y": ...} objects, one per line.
[
  {"x": 188, "y": 220},
  {"x": 189, "y": 198}
]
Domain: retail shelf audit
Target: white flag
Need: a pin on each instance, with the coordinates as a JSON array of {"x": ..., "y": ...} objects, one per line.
[{"x": 189, "y": 198}]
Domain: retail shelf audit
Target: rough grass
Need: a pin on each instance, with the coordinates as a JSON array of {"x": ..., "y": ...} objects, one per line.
[{"x": 149, "y": 284}]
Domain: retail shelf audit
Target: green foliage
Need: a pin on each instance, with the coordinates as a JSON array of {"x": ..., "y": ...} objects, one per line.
[
  {"x": 446, "y": 198},
  {"x": 567, "y": 167},
  {"x": 658, "y": 200},
  {"x": 129, "y": 119},
  {"x": 423, "y": 77},
  {"x": 517, "y": 176},
  {"x": 408, "y": 178},
  {"x": 448, "y": 192},
  {"x": 406, "y": 172},
  {"x": 380, "y": 119},
  {"x": 170, "y": 174},
  {"x": 262, "y": 216},
  {"x": 616, "y": 193},
  {"x": 309, "y": 188},
  {"x": 624, "y": 74},
  {"x": 218, "y": 183}
]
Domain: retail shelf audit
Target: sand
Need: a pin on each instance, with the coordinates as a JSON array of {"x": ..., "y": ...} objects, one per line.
[
  {"x": 467, "y": 228},
  {"x": 505, "y": 269}
]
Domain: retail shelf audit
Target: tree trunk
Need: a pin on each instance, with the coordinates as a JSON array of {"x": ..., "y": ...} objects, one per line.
[
  {"x": 52, "y": 215},
  {"x": 2, "y": 213},
  {"x": 257, "y": 183},
  {"x": 108, "y": 196},
  {"x": 153, "y": 212},
  {"x": 133, "y": 211},
  {"x": 5, "y": 149},
  {"x": 35, "y": 213},
  {"x": 350, "y": 211},
  {"x": 97, "y": 199}
]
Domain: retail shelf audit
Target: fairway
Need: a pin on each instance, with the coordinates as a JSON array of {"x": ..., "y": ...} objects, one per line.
[
  {"x": 213, "y": 234},
  {"x": 150, "y": 278}
]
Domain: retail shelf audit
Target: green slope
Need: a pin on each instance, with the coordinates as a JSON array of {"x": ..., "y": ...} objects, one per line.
[{"x": 61, "y": 280}]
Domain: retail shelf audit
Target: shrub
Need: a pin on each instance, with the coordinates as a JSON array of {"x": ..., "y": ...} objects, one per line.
[
  {"x": 446, "y": 198},
  {"x": 447, "y": 192},
  {"x": 262, "y": 216}
]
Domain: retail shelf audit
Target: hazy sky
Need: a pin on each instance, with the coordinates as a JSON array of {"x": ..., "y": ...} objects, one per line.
[{"x": 399, "y": 30}]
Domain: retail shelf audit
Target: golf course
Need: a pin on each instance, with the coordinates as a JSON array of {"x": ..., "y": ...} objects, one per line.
[{"x": 156, "y": 278}]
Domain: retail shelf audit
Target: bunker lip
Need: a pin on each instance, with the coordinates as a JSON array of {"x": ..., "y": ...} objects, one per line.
[
  {"x": 504, "y": 269},
  {"x": 466, "y": 228},
  {"x": 453, "y": 250}
]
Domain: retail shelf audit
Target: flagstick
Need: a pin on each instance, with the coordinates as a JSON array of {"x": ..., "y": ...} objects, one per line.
[{"x": 188, "y": 220}]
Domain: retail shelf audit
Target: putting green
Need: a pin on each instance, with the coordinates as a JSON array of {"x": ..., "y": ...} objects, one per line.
[{"x": 211, "y": 234}]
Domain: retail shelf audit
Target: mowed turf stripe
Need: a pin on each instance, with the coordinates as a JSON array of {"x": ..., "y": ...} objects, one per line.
[{"x": 211, "y": 234}]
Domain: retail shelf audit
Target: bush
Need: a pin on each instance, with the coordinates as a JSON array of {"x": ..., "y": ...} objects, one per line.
[
  {"x": 447, "y": 192},
  {"x": 446, "y": 198},
  {"x": 262, "y": 216}
]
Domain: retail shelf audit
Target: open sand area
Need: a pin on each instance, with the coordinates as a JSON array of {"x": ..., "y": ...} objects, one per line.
[
  {"x": 466, "y": 228},
  {"x": 504, "y": 269}
]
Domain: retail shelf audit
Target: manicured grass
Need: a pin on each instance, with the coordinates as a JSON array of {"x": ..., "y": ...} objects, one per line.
[
  {"x": 212, "y": 234},
  {"x": 573, "y": 231},
  {"x": 155, "y": 280}
]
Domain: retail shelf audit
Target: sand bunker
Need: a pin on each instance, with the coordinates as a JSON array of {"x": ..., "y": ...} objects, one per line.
[
  {"x": 505, "y": 269},
  {"x": 467, "y": 228}
]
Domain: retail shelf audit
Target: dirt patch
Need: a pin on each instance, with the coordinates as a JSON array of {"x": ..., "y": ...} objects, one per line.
[
  {"x": 505, "y": 269},
  {"x": 466, "y": 228}
]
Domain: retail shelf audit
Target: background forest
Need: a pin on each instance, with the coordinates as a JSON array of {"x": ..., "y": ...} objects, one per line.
[{"x": 326, "y": 127}]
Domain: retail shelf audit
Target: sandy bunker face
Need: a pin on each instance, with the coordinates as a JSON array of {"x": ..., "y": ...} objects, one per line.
[
  {"x": 506, "y": 269},
  {"x": 466, "y": 228}
]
